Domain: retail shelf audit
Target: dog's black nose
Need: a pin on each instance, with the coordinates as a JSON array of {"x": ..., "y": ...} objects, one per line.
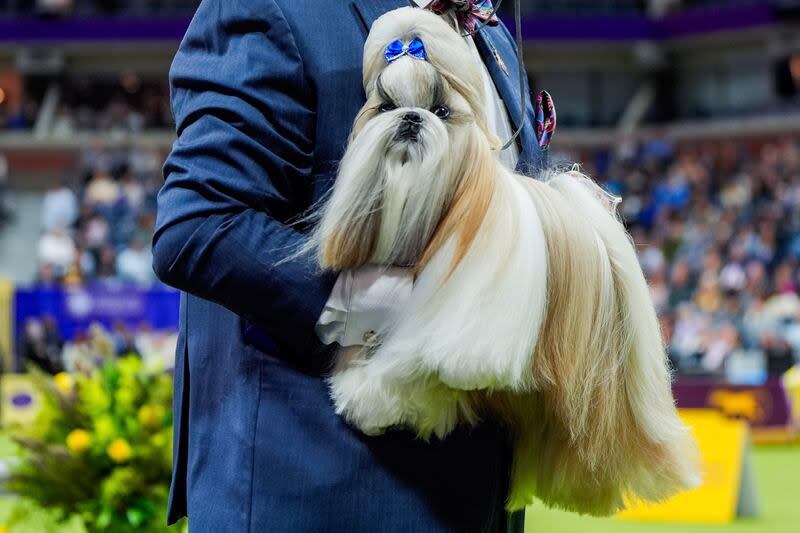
[{"x": 412, "y": 117}]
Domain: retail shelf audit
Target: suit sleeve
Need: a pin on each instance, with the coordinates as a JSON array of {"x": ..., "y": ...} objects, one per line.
[{"x": 239, "y": 169}]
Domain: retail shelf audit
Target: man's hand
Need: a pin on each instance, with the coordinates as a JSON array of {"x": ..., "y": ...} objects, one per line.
[{"x": 363, "y": 303}]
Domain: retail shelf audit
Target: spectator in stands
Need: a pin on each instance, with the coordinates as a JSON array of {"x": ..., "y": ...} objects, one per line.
[
  {"x": 42, "y": 344},
  {"x": 124, "y": 340},
  {"x": 22, "y": 115},
  {"x": 133, "y": 191},
  {"x": 784, "y": 281},
  {"x": 721, "y": 343},
  {"x": 102, "y": 191},
  {"x": 106, "y": 264},
  {"x": 119, "y": 117},
  {"x": 93, "y": 227},
  {"x": 64, "y": 126},
  {"x": 135, "y": 263},
  {"x": 778, "y": 354},
  {"x": 57, "y": 249},
  {"x": 59, "y": 207},
  {"x": 680, "y": 284}
]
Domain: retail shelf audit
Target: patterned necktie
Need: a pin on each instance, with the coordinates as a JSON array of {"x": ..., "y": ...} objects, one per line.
[{"x": 470, "y": 13}]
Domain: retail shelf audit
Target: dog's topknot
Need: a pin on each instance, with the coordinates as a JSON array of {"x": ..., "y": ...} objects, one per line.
[{"x": 446, "y": 51}]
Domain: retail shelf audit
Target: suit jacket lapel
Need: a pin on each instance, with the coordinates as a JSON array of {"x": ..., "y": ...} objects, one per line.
[{"x": 501, "y": 60}]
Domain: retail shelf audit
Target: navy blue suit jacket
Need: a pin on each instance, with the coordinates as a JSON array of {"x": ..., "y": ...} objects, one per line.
[{"x": 264, "y": 93}]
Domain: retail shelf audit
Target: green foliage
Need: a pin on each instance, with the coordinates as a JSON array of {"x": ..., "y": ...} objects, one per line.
[
  {"x": 100, "y": 452},
  {"x": 25, "y": 516}
]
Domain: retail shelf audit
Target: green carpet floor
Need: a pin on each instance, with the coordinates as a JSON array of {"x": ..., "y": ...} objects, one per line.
[{"x": 777, "y": 481}]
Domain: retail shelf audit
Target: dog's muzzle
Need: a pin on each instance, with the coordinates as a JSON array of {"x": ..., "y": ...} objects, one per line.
[{"x": 409, "y": 127}]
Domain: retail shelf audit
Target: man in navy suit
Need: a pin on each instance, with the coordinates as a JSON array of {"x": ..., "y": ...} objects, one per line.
[{"x": 264, "y": 93}]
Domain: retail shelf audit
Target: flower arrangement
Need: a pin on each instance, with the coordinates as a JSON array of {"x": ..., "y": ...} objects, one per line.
[{"x": 100, "y": 451}]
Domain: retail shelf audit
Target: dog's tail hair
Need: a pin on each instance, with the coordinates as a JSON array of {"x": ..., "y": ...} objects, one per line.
[{"x": 599, "y": 426}]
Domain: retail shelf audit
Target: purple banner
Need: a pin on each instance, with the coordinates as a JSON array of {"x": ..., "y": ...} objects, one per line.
[
  {"x": 74, "y": 309},
  {"x": 763, "y": 406}
]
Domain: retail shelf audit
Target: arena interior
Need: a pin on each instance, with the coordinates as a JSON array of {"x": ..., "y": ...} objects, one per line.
[{"x": 689, "y": 110}]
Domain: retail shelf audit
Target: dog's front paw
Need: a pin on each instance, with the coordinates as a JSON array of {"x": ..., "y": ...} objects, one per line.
[
  {"x": 439, "y": 415},
  {"x": 364, "y": 401}
]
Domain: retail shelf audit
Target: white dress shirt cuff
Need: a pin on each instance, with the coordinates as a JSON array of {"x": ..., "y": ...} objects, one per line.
[{"x": 362, "y": 304}]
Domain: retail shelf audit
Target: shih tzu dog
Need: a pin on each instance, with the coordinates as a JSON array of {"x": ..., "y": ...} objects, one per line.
[{"x": 528, "y": 306}]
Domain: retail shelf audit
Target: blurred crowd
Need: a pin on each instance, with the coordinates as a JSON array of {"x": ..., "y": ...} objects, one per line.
[
  {"x": 127, "y": 104},
  {"x": 19, "y": 116},
  {"x": 717, "y": 225},
  {"x": 99, "y": 226},
  {"x": 42, "y": 345}
]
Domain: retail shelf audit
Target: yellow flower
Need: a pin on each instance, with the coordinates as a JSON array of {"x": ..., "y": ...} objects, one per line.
[
  {"x": 93, "y": 396},
  {"x": 65, "y": 384},
  {"x": 129, "y": 365},
  {"x": 119, "y": 450},
  {"x": 78, "y": 441},
  {"x": 151, "y": 415},
  {"x": 157, "y": 441},
  {"x": 3, "y": 529}
]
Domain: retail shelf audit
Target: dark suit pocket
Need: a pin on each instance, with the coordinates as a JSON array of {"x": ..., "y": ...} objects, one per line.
[
  {"x": 277, "y": 373},
  {"x": 263, "y": 347},
  {"x": 257, "y": 337}
]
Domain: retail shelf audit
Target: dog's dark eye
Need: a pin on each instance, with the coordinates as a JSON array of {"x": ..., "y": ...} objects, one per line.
[
  {"x": 441, "y": 111},
  {"x": 386, "y": 106}
]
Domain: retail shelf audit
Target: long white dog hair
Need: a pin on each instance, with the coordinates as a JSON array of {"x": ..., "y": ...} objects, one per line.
[{"x": 529, "y": 304}]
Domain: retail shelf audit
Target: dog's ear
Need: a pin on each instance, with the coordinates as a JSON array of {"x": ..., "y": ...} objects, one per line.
[
  {"x": 348, "y": 247},
  {"x": 347, "y": 232},
  {"x": 470, "y": 204},
  {"x": 365, "y": 114}
]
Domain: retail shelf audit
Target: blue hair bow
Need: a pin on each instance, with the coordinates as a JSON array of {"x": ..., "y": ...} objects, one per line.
[{"x": 398, "y": 49}]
